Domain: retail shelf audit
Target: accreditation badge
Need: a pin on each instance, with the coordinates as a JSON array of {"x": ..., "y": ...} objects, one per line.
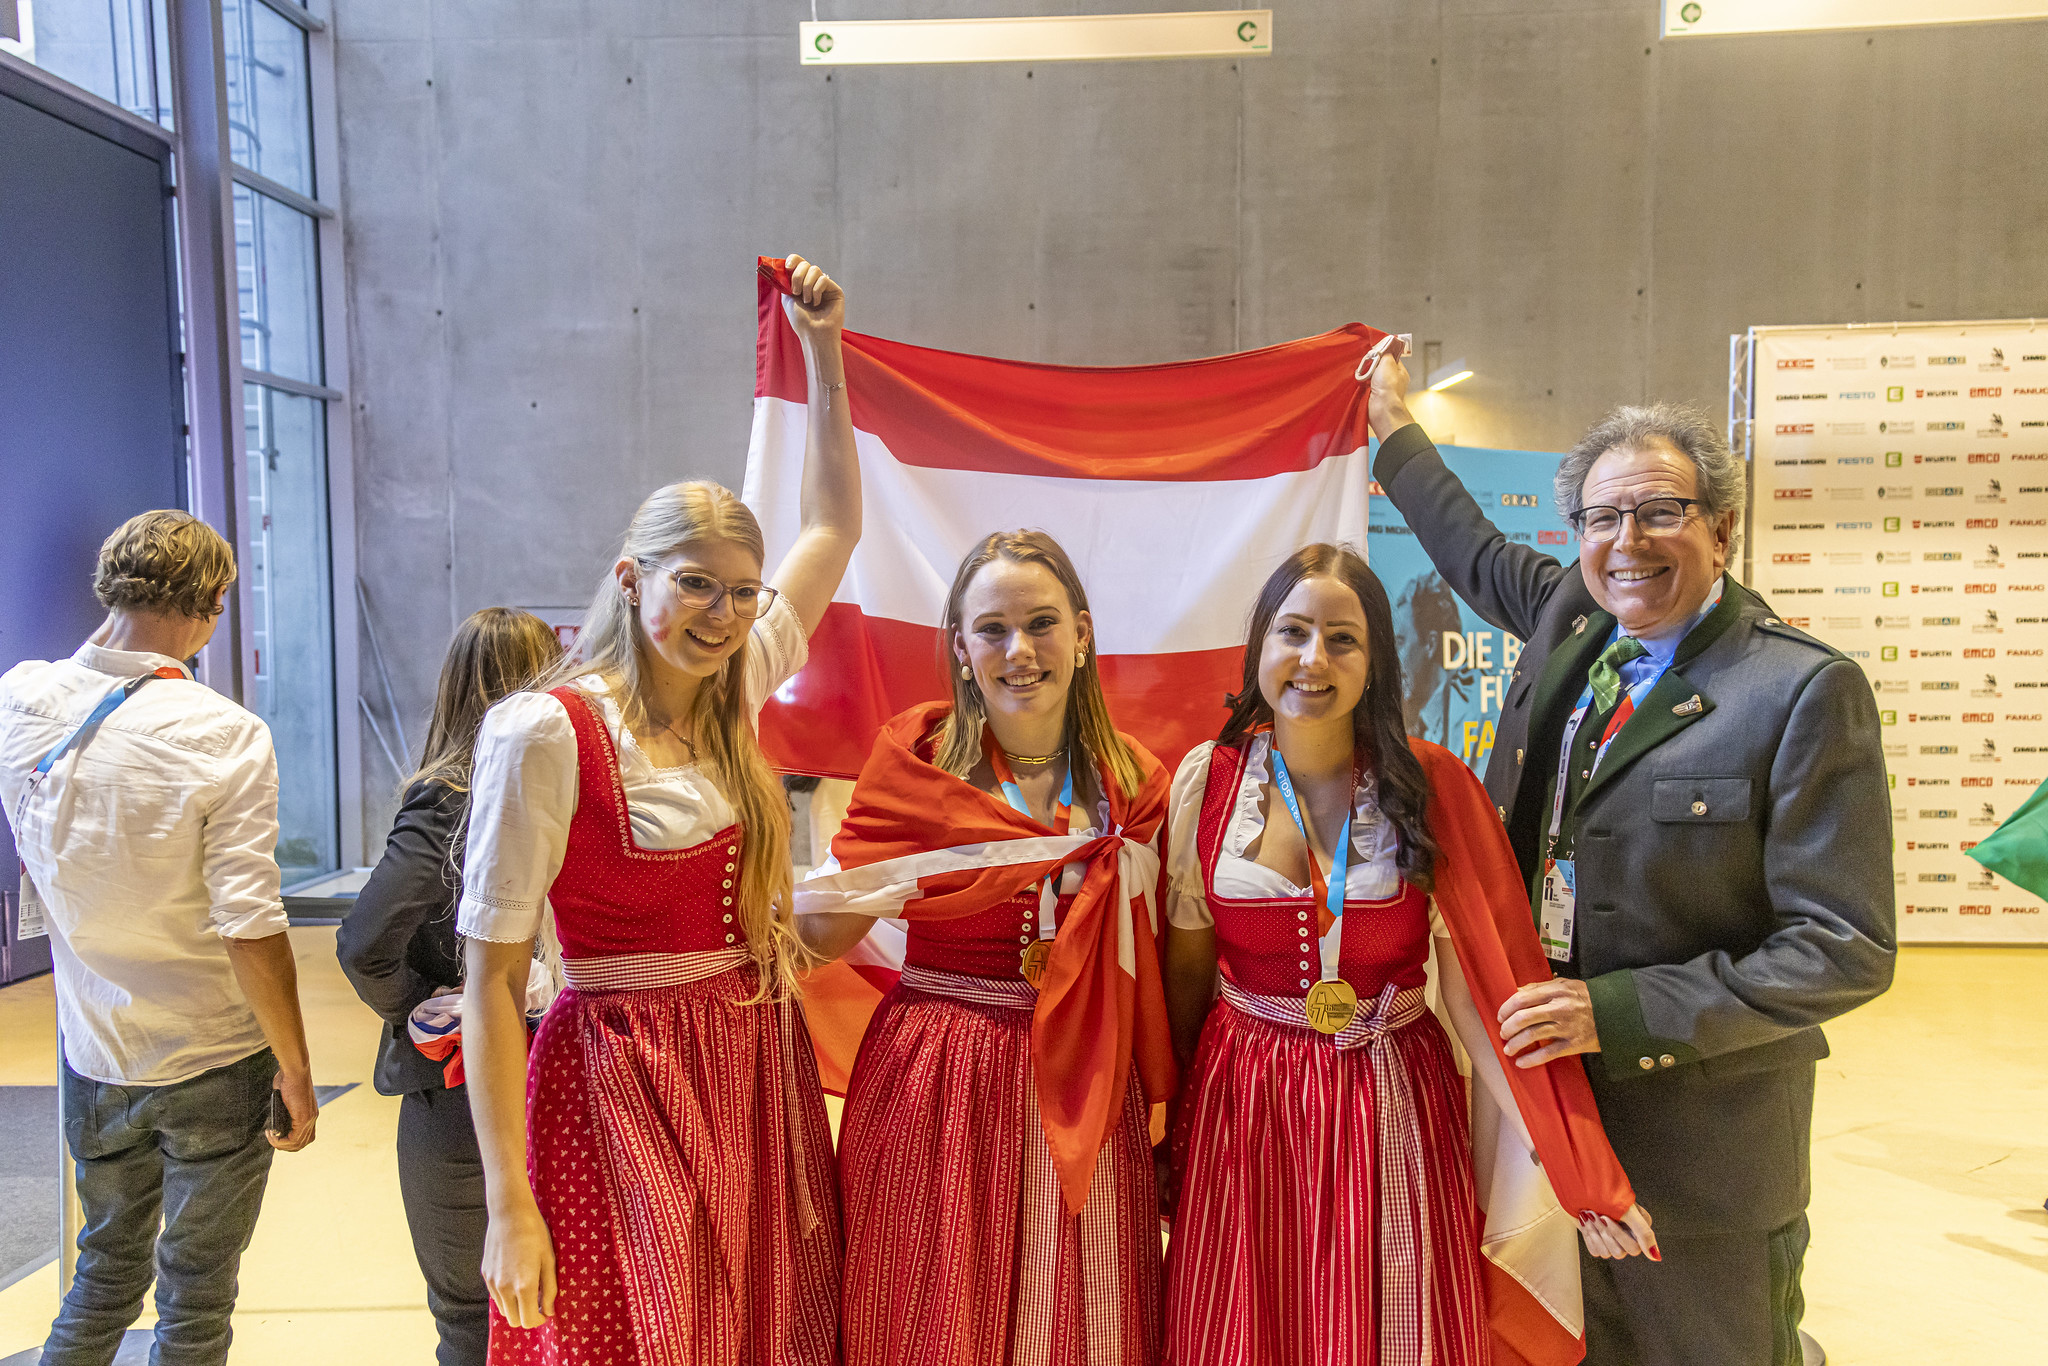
[{"x": 1559, "y": 908}]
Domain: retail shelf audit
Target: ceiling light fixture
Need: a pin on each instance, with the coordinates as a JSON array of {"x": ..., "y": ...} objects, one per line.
[
  {"x": 1052, "y": 38},
  {"x": 1443, "y": 377}
]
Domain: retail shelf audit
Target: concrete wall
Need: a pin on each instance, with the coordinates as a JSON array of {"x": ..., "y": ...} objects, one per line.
[{"x": 553, "y": 210}]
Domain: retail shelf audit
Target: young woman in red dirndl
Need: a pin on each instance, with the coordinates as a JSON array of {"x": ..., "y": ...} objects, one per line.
[
  {"x": 660, "y": 1176},
  {"x": 996, "y": 1158},
  {"x": 1327, "y": 1210}
]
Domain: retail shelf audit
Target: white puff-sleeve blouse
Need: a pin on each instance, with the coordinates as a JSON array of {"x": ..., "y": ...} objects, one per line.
[
  {"x": 523, "y": 787},
  {"x": 1372, "y": 874}
]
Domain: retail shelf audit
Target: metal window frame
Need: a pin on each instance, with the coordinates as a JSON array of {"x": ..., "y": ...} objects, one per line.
[
  {"x": 283, "y": 194},
  {"x": 341, "y": 482}
]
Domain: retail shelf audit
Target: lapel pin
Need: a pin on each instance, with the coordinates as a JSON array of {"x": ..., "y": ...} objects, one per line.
[
  {"x": 1692, "y": 706},
  {"x": 1579, "y": 626}
]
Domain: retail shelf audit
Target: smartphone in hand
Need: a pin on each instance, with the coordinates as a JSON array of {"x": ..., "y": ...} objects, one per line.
[{"x": 280, "y": 1114}]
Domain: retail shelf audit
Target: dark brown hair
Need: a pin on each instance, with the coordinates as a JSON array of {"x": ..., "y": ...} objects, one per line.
[
  {"x": 495, "y": 653},
  {"x": 1378, "y": 722},
  {"x": 163, "y": 561},
  {"x": 1088, "y": 721}
]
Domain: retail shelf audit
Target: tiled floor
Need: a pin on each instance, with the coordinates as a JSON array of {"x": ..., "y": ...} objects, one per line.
[{"x": 1930, "y": 1167}]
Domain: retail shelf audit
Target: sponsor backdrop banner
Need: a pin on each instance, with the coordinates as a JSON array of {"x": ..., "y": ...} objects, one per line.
[
  {"x": 1456, "y": 666},
  {"x": 1900, "y": 514}
]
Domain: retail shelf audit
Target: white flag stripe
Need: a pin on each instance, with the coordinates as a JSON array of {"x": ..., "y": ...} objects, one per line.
[
  {"x": 882, "y": 889},
  {"x": 1170, "y": 565}
]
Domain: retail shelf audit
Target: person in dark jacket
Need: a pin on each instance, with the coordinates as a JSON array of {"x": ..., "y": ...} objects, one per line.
[
  {"x": 399, "y": 948},
  {"x": 1695, "y": 791}
]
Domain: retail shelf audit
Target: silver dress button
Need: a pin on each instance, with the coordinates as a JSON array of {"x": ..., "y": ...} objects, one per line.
[
  {"x": 1301, "y": 915},
  {"x": 1303, "y": 965},
  {"x": 1699, "y": 808},
  {"x": 1304, "y": 931},
  {"x": 1304, "y": 982}
]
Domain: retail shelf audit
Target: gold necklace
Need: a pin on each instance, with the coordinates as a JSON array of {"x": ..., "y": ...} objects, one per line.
[{"x": 1033, "y": 759}]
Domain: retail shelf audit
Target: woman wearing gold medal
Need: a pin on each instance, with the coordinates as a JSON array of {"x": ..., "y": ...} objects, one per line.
[
  {"x": 996, "y": 1157},
  {"x": 1327, "y": 1207}
]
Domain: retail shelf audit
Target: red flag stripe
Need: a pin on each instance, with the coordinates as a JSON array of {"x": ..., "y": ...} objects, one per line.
[{"x": 1280, "y": 409}]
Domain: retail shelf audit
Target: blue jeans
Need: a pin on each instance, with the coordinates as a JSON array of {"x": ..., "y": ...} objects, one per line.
[{"x": 191, "y": 1155}]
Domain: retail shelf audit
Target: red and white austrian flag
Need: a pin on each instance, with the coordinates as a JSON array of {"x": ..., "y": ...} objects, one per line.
[{"x": 1175, "y": 488}]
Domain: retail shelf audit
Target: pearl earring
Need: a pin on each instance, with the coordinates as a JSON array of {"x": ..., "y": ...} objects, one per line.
[
  {"x": 966, "y": 672},
  {"x": 1080, "y": 659}
]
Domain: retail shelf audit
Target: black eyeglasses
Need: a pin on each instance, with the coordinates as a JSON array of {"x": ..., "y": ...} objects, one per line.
[
  {"x": 700, "y": 592},
  {"x": 1654, "y": 517}
]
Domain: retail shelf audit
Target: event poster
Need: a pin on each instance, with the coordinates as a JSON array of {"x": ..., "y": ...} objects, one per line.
[
  {"x": 1456, "y": 667},
  {"x": 1900, "y": 513}
]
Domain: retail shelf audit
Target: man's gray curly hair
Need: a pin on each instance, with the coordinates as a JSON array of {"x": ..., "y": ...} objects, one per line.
[{"x": 1723, "y": 483}]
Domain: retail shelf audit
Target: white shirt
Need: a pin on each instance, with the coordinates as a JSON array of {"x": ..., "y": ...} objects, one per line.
[
  {"x": 151, "y": 840},
  {"x": 1371, "y": 875},
  {"x": 523, "y": 788}
]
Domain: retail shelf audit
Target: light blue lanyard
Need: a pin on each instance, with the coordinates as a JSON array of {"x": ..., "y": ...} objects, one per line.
[
  {"x": 1340, "y": 855},
  {"x": 1048, "y": 895}
]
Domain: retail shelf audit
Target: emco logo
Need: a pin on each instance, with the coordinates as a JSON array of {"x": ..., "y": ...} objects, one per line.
[
  {"x": 1550, "y": 538},
  {"x": 1984, "y": 457},
  {"x": 1983, "y": 524},
  {"x": 1980, "y": 588},
  {"x": 1992, "y": 391}
]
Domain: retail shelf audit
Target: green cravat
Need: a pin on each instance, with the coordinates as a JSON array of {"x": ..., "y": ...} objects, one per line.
[{"x": 1605, "y": 675}]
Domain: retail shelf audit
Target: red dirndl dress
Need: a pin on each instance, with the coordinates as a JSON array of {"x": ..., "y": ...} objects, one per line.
[
  {"x": 959, "y": 1248},
  {"x": 1326, "y": 1212},
  {"x": 676, "y": 1136}
]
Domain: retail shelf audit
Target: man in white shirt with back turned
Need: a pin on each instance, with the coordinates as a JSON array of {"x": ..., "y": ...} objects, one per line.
[{"x": 144, "y": 806}]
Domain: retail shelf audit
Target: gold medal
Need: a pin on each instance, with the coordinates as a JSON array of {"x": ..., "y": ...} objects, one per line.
[
  {"x": 1040, "y": 953},
  {"x": 1331, "y": 1006}
]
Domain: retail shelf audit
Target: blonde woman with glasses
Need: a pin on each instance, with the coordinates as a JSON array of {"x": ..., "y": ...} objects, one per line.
[{"x": 660, "y": 1178}]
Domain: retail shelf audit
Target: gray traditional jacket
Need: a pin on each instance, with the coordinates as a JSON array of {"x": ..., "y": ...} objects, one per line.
[{"x": 1734, "y": 859}]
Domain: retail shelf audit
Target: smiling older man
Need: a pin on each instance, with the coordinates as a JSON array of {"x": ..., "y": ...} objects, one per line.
[{"x": 1696, "y": 793}]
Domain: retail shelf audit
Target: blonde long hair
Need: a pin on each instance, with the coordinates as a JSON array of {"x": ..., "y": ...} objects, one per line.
[
  {"x": 1088, "y": 722},
  {"x": 613, "y": 647}
]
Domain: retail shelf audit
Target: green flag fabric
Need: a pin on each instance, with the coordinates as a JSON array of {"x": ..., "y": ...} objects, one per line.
[{"x": 2018, "y": 849}]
